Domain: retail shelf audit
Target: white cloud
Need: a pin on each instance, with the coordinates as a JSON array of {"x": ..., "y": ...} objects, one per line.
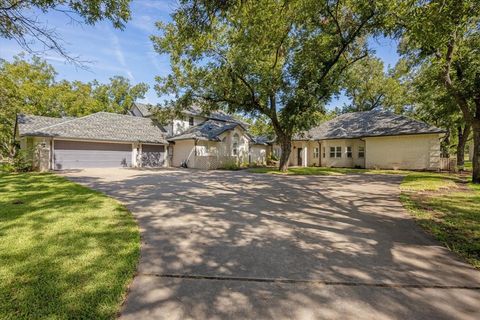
[{"x": 117, "y": 50}]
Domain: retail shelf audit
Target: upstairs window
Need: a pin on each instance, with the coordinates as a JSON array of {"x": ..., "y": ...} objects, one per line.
[
  {"x": 191, "y": 121},
  {"x": 361, "y": 152},
  {"x": 235, "y": 144},
  {"x": 316, "y": 152},
  {"x": 349, "y": 152}
]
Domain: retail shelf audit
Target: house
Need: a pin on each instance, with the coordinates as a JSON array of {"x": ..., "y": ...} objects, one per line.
[
  {"x": 136, "y": 140},
  {"x": 206, "y": 141},
  {"x": 370, "y": 139},
  {"x": 98, "y": 140}
]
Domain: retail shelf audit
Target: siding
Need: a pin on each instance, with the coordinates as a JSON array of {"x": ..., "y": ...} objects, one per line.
[
  {"x": 181, "y": 150},
  {"x": 417, "y": 152}
]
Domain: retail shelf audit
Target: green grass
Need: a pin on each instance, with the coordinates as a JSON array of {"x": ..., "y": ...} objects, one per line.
[
  {"x": 66, "y": 251},
  {"x": 448, "y": 209},
  {"x": 468, "y": 166}
]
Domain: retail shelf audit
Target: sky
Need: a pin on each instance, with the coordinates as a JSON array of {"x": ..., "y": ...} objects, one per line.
[{"x": 130, "y": 52}]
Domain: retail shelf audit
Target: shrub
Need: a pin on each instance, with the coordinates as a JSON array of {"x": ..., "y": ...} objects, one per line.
[
  {"x": 21, "y": 162},
  {"x": 231, "y": 165}
]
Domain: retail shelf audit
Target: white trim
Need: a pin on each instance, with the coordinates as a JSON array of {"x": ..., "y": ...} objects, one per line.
[{"x": 104, "y": 141}]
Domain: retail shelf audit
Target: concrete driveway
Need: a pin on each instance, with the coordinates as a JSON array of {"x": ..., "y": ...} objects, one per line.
[{"x": 234, "y": 245}]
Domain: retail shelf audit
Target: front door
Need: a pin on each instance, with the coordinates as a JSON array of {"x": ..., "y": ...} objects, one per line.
[{"x": 299, "y": 157}]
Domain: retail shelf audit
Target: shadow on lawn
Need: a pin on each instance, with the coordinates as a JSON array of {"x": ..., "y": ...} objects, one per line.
[
  {"x": 348, "y": 229},
  {"x": 66, "y": 251}
]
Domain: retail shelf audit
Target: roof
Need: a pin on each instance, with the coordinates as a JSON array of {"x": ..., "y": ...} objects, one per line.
[
  {"x": 145, "y": 109},
  {"x": 372, "y": 123},
  {"x": 209, "y": 130},
  {"x": 97, "y": 126},
  {"x": 216, "y": 115},
  {"x": 263, "y": 140},
  {"x": 28, "y": 124}
]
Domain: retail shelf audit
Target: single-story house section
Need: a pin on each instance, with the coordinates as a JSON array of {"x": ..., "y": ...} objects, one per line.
[
  {"x": 374, "y": 139},
  {"x": 211, "y": 144},
  {"x": 98, "y": 140}
]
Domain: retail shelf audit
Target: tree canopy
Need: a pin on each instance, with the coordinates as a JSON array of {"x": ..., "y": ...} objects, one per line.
[
  {"x": 280, "y": 59},
  {"x": 19, "y": 20},
  {"x": 444, "y": 35}
]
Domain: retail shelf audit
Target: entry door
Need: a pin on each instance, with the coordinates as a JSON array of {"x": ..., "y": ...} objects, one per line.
[{"x": 299, "y": 156}]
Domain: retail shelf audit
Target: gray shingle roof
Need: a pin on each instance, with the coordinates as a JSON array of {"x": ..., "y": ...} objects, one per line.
[
  {"x": 145, "y": 109},
  {"x": 263, "y": 140},
  {"x": 98, "y": 126},
  {"x": 28, "y": 124},
  {"x": 367, "y": 124},
  {"x": 208, "y": 130}
]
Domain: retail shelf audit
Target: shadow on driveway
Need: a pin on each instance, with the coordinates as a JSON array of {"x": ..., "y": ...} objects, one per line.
[{"x": 220, "y": 244}]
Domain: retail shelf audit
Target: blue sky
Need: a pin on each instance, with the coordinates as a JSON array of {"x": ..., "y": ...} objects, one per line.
[{"x": 130, "y": 52}]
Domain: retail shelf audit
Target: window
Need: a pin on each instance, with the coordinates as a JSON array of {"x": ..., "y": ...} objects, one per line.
[
  {"x": 349, "y": 152},
  {"x": 335, "y": 152},
  {"x": 332, "y": 152},
  {"x": 235, "y": 144},
  {"x": 191, "y": 121},
  {"x": 361, "y": 152},
  {"x": 316, "y": 152},
  {"x": 324, "y": 152}
]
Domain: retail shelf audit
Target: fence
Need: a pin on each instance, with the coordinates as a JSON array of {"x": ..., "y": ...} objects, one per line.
[{"x": 448, "y": 164}]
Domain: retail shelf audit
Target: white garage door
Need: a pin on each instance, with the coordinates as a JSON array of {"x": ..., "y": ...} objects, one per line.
[{"x": 83, "y": 154}]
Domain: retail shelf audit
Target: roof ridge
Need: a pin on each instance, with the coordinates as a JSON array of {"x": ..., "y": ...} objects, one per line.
[{"x": 68, "y": 121}]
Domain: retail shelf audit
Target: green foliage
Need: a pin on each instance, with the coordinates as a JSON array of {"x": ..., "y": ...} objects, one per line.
[
  {"x": 67, "y": 252},
  {"x": 280, "y": 59},
  {"x": 369, "y": 87},
  {"x": 231, "y": 165},
  {"x": 19, "y": 20},
  {"x": 29, "y": 86},
  {"x": 444, "y": 35}
]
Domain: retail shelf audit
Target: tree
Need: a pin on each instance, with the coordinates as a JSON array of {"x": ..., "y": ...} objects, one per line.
[
  {"x": 434, "y": 105},
  {"x": 280, "y": 59},
  {"x": 19, "y": 20},
  {"x": 368, "y": 86},
  {"x": 445, "y": 34},
  {"x": 29, "y": 86},
  {"x": 118, "y": 95}
]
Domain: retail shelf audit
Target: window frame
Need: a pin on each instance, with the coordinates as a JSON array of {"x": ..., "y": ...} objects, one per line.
[
  {"x": 235, "y": 142},
  {"x": 316, "y": 152},
  {"x": 338, "y": 153},
  {"x": 191, "y": 121},
  {"x": 361, "y": 152},
  {"x": 349, "y": 152}
]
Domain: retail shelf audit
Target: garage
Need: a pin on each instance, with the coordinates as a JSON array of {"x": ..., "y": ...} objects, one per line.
[
  {"x": 85, "y": 154},
  {"x": 153, "y": 155}
]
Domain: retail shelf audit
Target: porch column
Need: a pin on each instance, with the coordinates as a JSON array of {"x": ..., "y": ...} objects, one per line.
[{"x": 305, "y": 155}]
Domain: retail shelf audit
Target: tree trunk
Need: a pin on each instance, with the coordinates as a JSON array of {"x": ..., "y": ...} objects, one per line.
[
  {"x": 462, "y": 142},
  {"x": 476, "y": 154},
  {"x": 286, "y": 146}
]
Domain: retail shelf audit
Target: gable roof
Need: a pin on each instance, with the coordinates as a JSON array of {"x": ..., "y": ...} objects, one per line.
[
  {"x": 145, "y": 109},
  {"x": 97, "y": 126},
  {"x": 209, "y": 130},
  {"x": 29, "y": 124},
  {"x": 372, "y": 123},
  {"x": 216, "y": 115}
]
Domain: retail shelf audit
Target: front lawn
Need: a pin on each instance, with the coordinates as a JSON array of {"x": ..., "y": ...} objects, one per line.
[
  {"x": 449, "y": 209},
  {"x": 66, "y": 251}
]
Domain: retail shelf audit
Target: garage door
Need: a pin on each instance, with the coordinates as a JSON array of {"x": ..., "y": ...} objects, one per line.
[
  {"x": 153, "y": 155},
  {"x": 79, "y": 154}
]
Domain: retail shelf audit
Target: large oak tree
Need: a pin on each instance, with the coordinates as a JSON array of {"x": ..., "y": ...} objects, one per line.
[
  {"x": 445, "y": 35},
  {"x": 281, "y": 59}
]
